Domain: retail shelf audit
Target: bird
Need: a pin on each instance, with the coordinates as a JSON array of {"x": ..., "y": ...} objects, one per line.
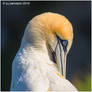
[{"x": 40, "y": 63}]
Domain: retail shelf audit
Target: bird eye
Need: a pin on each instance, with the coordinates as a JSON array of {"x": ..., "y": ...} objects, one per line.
[{"x": 64, "y": 44}]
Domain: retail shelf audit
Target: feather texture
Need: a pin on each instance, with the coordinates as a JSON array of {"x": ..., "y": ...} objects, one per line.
[
  {"x": 32, "y": 68},
  {"x": 33, "y": 71}
]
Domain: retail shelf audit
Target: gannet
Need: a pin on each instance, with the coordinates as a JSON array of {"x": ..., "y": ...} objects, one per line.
[{"x": 47, "y": 39}]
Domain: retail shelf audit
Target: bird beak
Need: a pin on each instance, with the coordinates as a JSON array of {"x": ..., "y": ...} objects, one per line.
[{"x": 61, "y": 58}]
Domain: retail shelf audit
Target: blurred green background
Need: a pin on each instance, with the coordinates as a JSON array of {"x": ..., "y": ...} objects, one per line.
[{"x": 14, "y": 19}]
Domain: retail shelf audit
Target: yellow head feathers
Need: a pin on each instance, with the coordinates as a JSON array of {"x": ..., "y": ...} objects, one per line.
[
  {"x": 56, "y": 23},
  {"x": 46, "y": 26},
  {"x": 51, "y": 24}
]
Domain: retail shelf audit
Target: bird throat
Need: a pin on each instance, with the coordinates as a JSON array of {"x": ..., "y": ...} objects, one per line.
[{"x": 52, "y": 54}]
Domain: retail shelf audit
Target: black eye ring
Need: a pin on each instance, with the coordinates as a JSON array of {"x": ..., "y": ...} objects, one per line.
[{"x": 64, "y": 43}]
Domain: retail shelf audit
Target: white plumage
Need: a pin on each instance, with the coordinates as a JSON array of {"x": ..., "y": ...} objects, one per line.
[{"x": 32, "y": 68}]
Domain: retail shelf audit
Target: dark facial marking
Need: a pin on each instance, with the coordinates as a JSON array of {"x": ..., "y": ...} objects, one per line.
[
  {"x": 64, "y": 43},
  {"x": 52, "y": 54}
]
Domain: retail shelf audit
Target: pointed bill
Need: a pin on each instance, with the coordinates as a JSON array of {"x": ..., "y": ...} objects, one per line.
[{"x": 61, "y": 59}]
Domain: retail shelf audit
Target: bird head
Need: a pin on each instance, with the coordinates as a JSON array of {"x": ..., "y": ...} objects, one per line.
[{"x": 56, "y": 32}]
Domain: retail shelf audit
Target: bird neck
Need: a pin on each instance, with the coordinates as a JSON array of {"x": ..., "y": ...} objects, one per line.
[{"x": 39, "y": 53}]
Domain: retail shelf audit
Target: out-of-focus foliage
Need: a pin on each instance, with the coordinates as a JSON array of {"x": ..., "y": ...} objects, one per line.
[{"x": 82, "y": 82}]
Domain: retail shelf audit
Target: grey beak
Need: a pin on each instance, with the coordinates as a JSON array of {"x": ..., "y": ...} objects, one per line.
[{"x": 61, "y": 58}]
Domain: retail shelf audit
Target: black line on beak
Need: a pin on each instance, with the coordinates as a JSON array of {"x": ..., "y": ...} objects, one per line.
[
  {"x": 63, "y": 42},
  {"x": 52, "y": 54}
]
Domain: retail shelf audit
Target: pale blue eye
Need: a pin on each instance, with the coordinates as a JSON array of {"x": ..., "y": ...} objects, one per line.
[{"x": 64, "y": 43}]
